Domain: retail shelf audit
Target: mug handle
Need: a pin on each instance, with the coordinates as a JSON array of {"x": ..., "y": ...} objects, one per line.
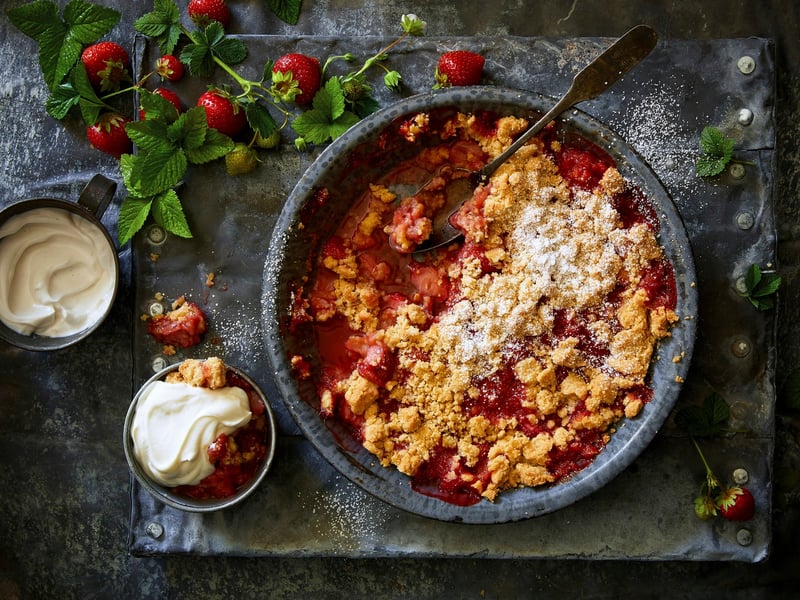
[{"x": 97, "y": 194}]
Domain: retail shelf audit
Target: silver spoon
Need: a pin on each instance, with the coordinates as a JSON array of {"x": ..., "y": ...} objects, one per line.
[{"x": 596, "y": 77}]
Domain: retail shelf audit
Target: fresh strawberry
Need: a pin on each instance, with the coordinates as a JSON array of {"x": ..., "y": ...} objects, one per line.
[
  {"x": 297, "y": 77},
  {"x": 106, "y": 65},
  {"x": 169, "y": 67},
  {"x": 221, "y": 113},
  {"x": 202, "y": 12},
  {"x": 167, "y": 94},
  {"x": 108, "y": 135},
  {"x": 736, "y": 504},
  {"x": 242, "y": 159},
  {"x": 459, "y": 67}
]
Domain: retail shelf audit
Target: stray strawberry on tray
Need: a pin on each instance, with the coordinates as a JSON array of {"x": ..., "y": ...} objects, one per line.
[{"x": 181, "y": 327}]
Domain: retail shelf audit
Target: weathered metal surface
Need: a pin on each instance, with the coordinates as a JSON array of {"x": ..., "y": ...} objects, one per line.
[{"x": 306, "y": 508}]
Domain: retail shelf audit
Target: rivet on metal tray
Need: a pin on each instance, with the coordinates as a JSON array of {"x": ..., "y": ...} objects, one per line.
[
  {"x": 745, "y": 220},
  {"x": 746, "y": 65},
  {"x": 155, "y": 308},
  {"x": 740, "y": 476},
  {"x": 740, "y": 348},
  {"x": 154, "y": 530},
  {"x": 744, "y": 537},
  {"x": 156, "y": 234},
  {"x": 159, "y": 362},
  {"x": 736, "y": 170},
  {"x": 745, "y": 116}
]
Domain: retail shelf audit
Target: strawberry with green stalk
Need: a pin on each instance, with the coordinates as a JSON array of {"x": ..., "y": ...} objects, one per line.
[
  {"x": 732, "y": 502},
  {"x": 735, "y": 503}
]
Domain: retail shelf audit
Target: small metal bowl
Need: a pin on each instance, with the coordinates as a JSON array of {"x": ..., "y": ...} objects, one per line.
[
  {"x": 167, "y": 495},
  {"x": 92, "y": 203}
]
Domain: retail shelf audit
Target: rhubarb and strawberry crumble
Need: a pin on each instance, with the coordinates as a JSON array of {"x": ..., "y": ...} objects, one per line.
[{"x": 505, "y": 359}]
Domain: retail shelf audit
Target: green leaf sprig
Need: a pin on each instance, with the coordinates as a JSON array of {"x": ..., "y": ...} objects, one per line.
[
  {"x": 760, "y": 287},
  {"x": 167, "y": 143},
  {"x": 717, "y": 152},
  {"x": 704, "y": 420}
]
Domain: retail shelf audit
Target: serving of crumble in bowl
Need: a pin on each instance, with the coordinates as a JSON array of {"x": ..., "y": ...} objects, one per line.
[
  {"x": 508, "y": 374},
  {"x": 200, "y": 435}
]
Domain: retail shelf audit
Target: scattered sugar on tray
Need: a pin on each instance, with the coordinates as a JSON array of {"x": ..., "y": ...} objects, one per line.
[
  {"x": 347, "y": 516},
  {"x": 239, "y": 328},
  {"x": 653, "y": 124}
]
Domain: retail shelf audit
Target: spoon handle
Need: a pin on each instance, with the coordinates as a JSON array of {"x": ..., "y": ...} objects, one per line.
[{"x": 596, "y": 77}]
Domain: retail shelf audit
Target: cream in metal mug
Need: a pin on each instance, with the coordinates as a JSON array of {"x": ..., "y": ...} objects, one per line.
[{"x": 59, "y": 269}]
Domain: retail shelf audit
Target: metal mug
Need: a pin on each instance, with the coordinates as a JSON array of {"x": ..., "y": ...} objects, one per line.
[{"x": 91, "y": 204}]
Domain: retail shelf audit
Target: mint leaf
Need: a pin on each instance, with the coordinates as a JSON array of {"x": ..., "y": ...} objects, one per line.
[
  {"x": 717, "y": 151},
  {"x": 287, "y": 11},
  {"x": 759, "y": 287},
  {"x": 163, "y": 24},
  {"x": 168, "y": 213},
  {"x": 132, "y": 215}
]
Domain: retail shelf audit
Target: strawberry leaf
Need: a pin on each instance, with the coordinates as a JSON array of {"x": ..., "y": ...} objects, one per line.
[
  {"x": 148, "y": 135},
  {"x": 163, "y": 24},
  {"x": 205, "y": 45},
  {"x": 260, "y": 120},
  {"x": 189, "y": 130},
  {"x": 61, "y": 41},
  {"x": 328, "y": 119},
  {"x": 230, "y": 50},
  {"x": 157, "y": 170},
  {"x": 215, "y": 145},
  {"x": 706, "y": 420},
  {"x": 132, "y": 215},
  {"x": 156, "y": 107},
  {"x": 168, "y": 212},
  {"x": 287, "y": 11}
]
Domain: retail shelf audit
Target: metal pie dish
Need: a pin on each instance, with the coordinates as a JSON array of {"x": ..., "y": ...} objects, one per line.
[
  {"x": 169, "y": 497},
  {"x": 292, "y": 246}
]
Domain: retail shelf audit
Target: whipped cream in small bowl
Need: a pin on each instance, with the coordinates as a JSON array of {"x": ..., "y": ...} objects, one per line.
[
  {"x": 59, "y": 269},
  {"x": 199, "y": 442}
]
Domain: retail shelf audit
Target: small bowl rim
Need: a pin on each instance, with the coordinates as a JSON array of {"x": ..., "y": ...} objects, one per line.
[
  {"x": 164, "y": 494},
  {"x": 42, "y": 343}
]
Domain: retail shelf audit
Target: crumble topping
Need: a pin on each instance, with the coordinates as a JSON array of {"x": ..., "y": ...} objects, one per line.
[{"x": 507, "y": 360}]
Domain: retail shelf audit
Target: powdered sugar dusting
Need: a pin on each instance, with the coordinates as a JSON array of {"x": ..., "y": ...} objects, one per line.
[
  {"x": 652, "y": 124},
  {"x": 239, "y": 330},
  {"x": 346, "y": 515}
]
